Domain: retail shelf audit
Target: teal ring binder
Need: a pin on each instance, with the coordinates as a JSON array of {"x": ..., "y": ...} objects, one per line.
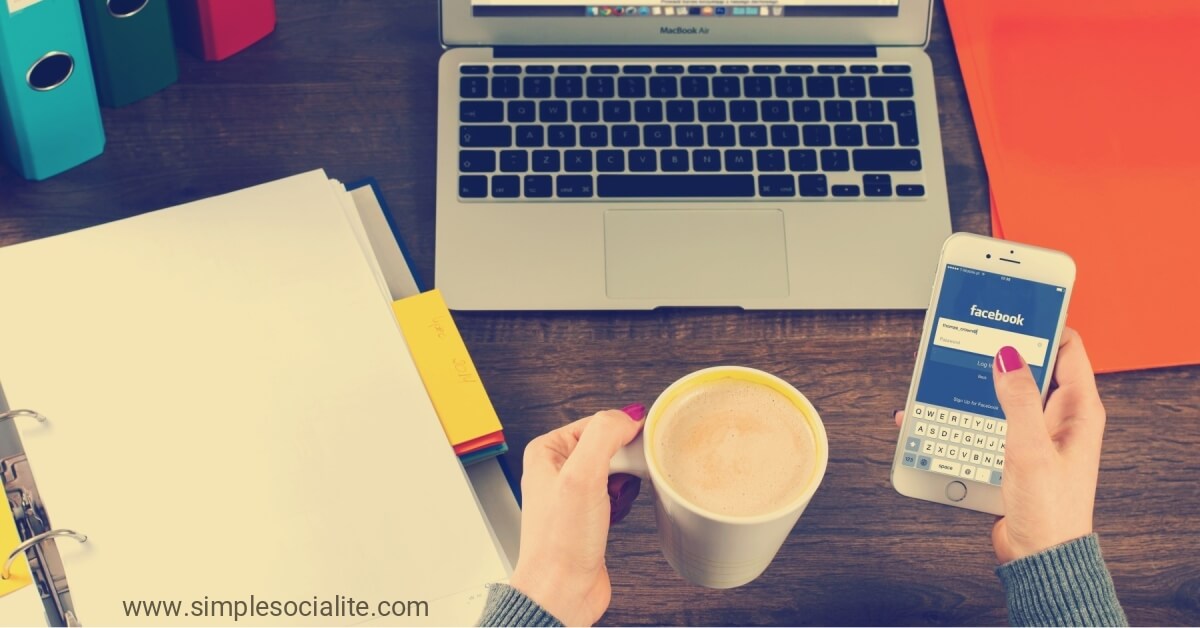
[
  {"x": 121, "y": 9},
  {"x": 44, "y": 75}
]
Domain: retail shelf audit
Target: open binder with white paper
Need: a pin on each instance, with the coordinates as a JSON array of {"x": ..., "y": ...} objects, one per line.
[{"x": 232, "y": 412}]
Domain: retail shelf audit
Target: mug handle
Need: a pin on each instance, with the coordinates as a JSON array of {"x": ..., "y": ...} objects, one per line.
[{"x": 631, "y": 459}]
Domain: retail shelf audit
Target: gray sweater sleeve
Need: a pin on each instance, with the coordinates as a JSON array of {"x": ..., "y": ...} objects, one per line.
[
  {"x": 1066, "y": 585},
  {"x": 507, "y": 606}
]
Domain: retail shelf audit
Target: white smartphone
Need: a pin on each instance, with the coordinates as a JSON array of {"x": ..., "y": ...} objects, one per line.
[{"x": 987, "y": 294}]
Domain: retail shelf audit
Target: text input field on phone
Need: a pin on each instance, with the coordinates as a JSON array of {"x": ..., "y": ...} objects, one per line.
[{"x": 983, "y": 340}]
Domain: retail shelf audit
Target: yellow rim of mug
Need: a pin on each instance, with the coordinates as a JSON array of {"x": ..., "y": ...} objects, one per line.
[{"x": 754, "y": 376}]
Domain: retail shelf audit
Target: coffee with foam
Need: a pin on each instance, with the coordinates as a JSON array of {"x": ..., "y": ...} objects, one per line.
[{"x": 736, "y": 448}]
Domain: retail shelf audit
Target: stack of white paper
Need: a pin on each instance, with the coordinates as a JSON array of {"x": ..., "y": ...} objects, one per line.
[{"x": 234, "y": 413}]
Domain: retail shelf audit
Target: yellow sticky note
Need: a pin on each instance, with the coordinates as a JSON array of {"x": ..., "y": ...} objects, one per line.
[
  {"x": 9, "y": 540},
  {"x": 449, "y": 374}
]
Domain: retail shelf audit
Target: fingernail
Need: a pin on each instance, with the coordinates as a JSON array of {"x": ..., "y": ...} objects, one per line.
[
  {"x": 1009, "y": 359},
  {"x": 622, "y": 491},
  {"x": 636, "y": 411}
]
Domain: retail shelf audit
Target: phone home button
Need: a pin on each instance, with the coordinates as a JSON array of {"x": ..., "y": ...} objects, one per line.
[{"x": 956, "y": 491}]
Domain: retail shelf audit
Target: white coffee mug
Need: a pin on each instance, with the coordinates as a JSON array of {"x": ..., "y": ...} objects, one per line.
[{"x": 706, "y": 548}]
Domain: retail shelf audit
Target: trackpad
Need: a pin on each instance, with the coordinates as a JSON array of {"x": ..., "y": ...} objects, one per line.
[{"x": 685, "y": 254}]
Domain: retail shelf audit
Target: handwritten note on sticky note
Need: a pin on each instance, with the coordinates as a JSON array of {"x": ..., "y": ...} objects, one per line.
[
  {"x": 449, "y": 374},
  {"x": 9, "y": 540}
]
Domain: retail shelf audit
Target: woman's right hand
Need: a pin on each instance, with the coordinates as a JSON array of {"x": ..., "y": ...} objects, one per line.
[{"x": 1052, "y": 454}]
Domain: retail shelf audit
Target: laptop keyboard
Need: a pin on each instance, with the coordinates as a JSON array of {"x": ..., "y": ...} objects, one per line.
[{"x": 678, "y": 131}]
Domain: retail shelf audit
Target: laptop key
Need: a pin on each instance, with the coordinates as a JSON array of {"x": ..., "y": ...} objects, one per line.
[
  {"x": 681, "y": 111},
  {"x": 572, "y": 69},
  {"x": 593, "y": 136},
  {"x": 813, "y": 185},
  {"x": 767, "y": 69},
  {"x": 752, "y": 135},
  {"x": 522, "y": 111},
  {"x": 537, "y": 86},
  {"x": 775, "y": 111},
  {"x": 636, "y": 69},
  {"x": 689, "y": 135},
  {"x": 722, "y": 135},
  {"x": 577, "y": 161},
  {"x": 560, "y": 135},
  {"x": 476, "y": 161},
  {"x": 896, "y": 69},
  {"x": 799, "y": 69},
  {"x": 848, "y": 135},
  {"x": 820, "y": 86},
  {"x": 838, "y": 111},
  {"x": 785, "y": 135},
  {"x": 552, "y": 111},
  {"x": 851, "y": 87},
  {"x": 702, "y": 69},
  {"x": 585, "y": 111},
  {"x": 743, "y": 111},
  {"x": 904, "y": 114},
  {"x": 757, "y": 86},
  {"x": 802, "y": 160},
  {"x": 539, "y": 69},
  {"x": 835, "y": 160},
  {"x": 771, "y": 160},
  {"x": 891, "y": 87},
  {"x": 485, "y": 136},
  {"x": 711, "y": 111},
  {"x": 887, "y": 160},
  {"x": 546, "y": 161},
  {"x": 864, "y": 69},
  {"x": 605, "y": 69},
  {"x": 473, "y": 186},
  {"x": 869, "y": 110},
  {"x": 694, "y": 86},
  {"x": 514, "y": 161},
  {"x": 739, "y": 160},
  {"x": 877, "y": 185},
  {"x": 735, "y": 69},
  {"x": 617, "y": 111},
  {"x": 726, "y": 87},
  {"x": 880, "y": 135},
  {"x": 531, "y": 136},
  {"x": 473, "y": 69},
  {"x": 806, "y": 110},
  {"x": 575, "y": 186},
  {"x": 817, "y": 135},
  {"x": 480, "y": 111},
  {"x": 676, "y": 186},
  {"x": 910, "y": 190},
  {"x": 568, "y": 87},
  {"x": 648, "y": 111},
  {"x": 506, "y": 69},
  {"x": 626, "y": 135},
  {"x": 674, "y": 160},
  {"x": 845, "y": 190},
  {"x": 643, "y": 161},
  {"x": 831, "y": 69},
  {"x": 664, "y": 87},
  {"x": 668, "y": 69},
  {"x": 506, "y": 186},
  {"x": 506, "y": 87},
  {"x": 473, "y": 87},
  {"x": 776, "y": 185},
  {"x": 656, "y": 135},
  {"x": 631, "y": 87},
  {"x": 610, "y": 161},
  {"x": 600, "y": 87},
  {"x": 706, "y": 160},
  {"x": 539, "y": 186},
  {"x": 789, "y": 86}
]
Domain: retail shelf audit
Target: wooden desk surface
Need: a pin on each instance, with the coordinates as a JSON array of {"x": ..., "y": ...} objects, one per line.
[{"x": 350, "y": 86}]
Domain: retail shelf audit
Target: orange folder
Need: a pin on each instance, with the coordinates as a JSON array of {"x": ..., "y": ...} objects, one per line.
[{"x": 1088, "y": 115}]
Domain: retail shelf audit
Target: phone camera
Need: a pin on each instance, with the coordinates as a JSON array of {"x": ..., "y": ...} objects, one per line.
[{"x": 989, "y": 256}]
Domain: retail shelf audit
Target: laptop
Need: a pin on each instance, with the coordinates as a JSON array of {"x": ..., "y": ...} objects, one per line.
[{"x": 755, "y": 154}]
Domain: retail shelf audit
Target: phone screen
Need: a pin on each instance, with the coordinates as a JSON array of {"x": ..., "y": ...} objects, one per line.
[{"x": 959, "y": 428}]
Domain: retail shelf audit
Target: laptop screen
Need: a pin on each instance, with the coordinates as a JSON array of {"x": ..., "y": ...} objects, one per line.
[{"x": 687, "y": 8}]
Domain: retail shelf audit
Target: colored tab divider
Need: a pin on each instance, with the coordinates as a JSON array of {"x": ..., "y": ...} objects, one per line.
[{"x": 450, "y": 377}]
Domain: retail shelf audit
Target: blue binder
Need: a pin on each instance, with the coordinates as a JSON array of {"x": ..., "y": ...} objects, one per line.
[{"x": 49, "y": 115}]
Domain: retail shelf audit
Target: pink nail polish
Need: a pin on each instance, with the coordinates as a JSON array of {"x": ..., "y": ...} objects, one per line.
[
  {"x": 1009, "y": 359},
  {"x": 636, "y": 411}
]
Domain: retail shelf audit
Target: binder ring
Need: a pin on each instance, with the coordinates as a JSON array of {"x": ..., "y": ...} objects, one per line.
[
  {"x": 6, "y": 573},
  {"x": 51, "y": 71},
  {"x": 126, "y": 8},
  {"x": 12, "y": 414}
]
